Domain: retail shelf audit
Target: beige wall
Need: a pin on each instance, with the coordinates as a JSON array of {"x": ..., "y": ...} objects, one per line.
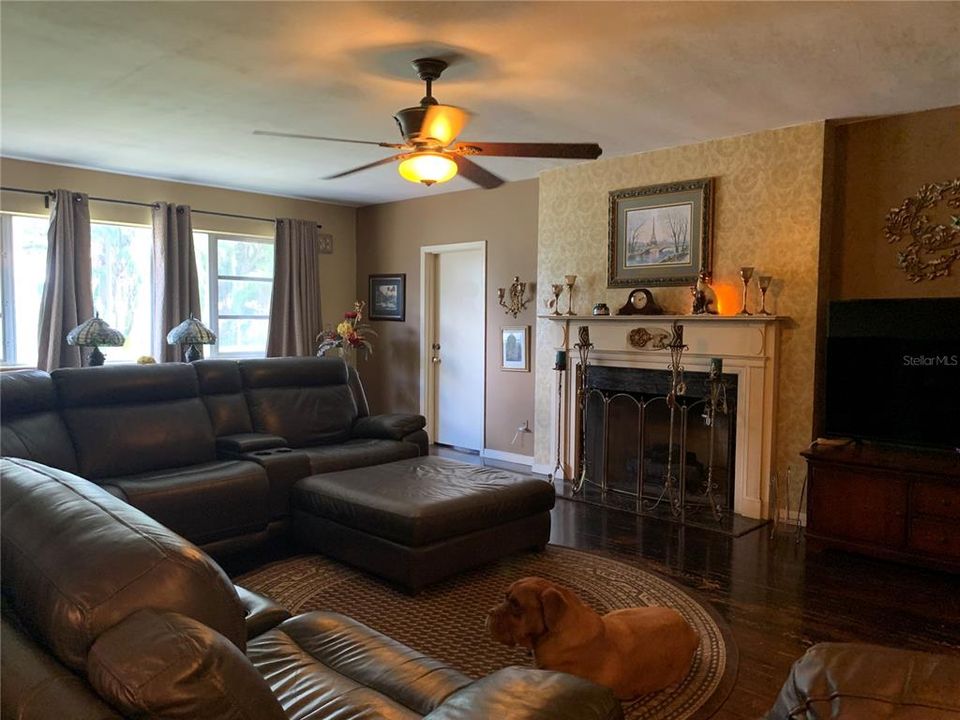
[
  {"x": 881, "y": 163},
  {"x": 336, "y": 271},
  {"x": 767, "y": 214},
  {"x": 389, "y": 238}
]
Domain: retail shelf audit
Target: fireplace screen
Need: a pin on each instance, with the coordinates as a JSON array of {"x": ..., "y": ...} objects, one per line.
[{"x": 632, "y": 449}]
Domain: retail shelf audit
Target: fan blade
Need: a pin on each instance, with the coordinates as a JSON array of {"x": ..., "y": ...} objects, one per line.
[
  {"x": 476, "y": 174},
  {"x": 573, "y": 151},
  {"x": 443, "y": 123},
  {"x": 384, "y": 161},
  {"x": 330, "y": 139}
]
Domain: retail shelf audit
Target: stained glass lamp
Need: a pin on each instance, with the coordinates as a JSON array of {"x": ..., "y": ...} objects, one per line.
[
  {"x": 191, "y": 332},
  {"x": 95, "y": 333}
]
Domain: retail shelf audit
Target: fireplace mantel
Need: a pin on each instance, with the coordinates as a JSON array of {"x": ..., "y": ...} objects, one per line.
[{"x": 748, "y": 345}]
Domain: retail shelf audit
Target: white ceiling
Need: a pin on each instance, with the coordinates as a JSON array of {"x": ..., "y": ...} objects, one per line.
[{"x": 174, "y": 90}]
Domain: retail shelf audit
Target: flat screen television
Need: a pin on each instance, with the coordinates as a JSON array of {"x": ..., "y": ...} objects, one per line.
[{"x": 893, "y": 371}]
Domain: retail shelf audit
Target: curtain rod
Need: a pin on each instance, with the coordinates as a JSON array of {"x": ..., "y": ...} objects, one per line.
[{"x": 47, "y": 194}]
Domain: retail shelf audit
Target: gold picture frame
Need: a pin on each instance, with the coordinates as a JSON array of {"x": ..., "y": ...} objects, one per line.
[
  {"x": 515, "y": 348},
  {"x": 660, "y": 235}
]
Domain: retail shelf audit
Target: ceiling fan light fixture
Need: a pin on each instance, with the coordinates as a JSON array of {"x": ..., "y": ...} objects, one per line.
[{"x": 427, "y": 168}]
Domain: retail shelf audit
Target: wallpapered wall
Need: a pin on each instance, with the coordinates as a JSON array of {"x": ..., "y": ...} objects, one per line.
[{"x": 767, "y": 214}]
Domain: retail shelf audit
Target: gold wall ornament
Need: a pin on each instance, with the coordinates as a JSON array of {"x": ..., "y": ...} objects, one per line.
[
  {"x": 932, "y": 247},
  {"x": 517, "y": 303},
  {"x": 641, "y": 337}
]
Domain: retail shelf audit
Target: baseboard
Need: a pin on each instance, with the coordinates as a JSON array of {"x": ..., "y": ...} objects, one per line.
[
  {"x": 540, "y": 469},
  {"x": 509, "y": 457}
]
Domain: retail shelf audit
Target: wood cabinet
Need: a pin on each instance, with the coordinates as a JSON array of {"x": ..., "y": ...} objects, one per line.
[{"x": 887, "y": 502}]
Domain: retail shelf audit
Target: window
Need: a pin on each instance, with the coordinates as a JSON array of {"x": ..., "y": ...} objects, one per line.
[
  {"x": 121, "y": 258},
  {"x": 122, "y": 261},
  {"x": 236, "y": 280}
]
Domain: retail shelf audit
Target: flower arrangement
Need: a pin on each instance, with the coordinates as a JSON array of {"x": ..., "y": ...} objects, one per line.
[{"x": 352, "y": 332}]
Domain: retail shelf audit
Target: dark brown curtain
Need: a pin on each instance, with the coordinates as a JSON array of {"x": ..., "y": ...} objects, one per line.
[
  {"x": 67, "y": 296},
  {"x": 176, "y": 293},
  {"x": 295, "y": 305}
]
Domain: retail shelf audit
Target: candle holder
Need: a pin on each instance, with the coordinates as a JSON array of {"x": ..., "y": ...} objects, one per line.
[
  {"x": 558, "y": 469},
  {"x": 584, "y": 346},
  {"x": 517, "y": 303},
  {"x": 764, "y": 284},
  {"x": 557, "y": 292},
  {"x": 745, "y": 274},
  {"x": 570, "y": 280}
]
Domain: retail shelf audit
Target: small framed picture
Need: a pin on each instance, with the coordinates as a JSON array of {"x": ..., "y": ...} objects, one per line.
[
  {"x": 515, "y": 348},
  {"x": 388, "y": 297}
]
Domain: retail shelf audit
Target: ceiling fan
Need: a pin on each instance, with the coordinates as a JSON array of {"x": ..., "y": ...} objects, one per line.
[{"x": 430, "y": 155}]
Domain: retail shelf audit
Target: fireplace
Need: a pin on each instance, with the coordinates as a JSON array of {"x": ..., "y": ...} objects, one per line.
[
  {"x": 623, "y": 376},
  {"x": 629, "y": 448}
]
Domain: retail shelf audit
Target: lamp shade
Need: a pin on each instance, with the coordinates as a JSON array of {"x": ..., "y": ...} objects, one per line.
[
  {"x": 191, "y": 332},
  {"x": 93, "y": 333},
  {"x": 427, "y": 168}
]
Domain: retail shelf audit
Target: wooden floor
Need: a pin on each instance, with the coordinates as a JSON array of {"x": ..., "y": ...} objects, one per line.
[{"x": 777, "y": 599}]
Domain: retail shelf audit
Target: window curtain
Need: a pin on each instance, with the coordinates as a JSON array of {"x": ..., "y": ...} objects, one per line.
[
  {"x": 176, "y": 293},
  {"x": 295, "y": 304},
  {"x": 67, "y": 295}
]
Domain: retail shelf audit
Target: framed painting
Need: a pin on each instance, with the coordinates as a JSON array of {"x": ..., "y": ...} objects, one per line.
[
  {"x": 660, "y": 234},
  {"x": 388, "y": 297},
  {"x": 515, "y": 348}
]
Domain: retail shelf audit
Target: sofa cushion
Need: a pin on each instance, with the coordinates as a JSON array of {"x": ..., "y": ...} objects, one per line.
[
  {"x": 306, "y": 400},
  {"x": 326, "y": 665},
  {"x": 30, "y": 426},
  {"x": 129, "y": 419},
  {"x": 77, "y": 560},
  {"x": 203, "y": 502},
  {"x": 854, "y": 680},
  {"x": 357, "y": 453},
  {"x": 37, "y": 687},
  {"x": 423, "y": 500},
  {"x": 168, "y": 666},
  {"x": 222, "y": 393}
]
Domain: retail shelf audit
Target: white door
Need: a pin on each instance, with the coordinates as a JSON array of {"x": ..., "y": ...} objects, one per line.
[{"x": 457, "y": 347}]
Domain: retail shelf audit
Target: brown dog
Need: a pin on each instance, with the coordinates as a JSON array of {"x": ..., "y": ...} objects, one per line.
[{"x": 633, "y": 651}]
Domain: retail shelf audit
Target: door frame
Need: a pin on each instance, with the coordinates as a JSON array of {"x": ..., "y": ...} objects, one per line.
[{"x": 428, "y": 322}]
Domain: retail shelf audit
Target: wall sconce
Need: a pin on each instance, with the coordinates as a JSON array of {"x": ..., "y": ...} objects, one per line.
[{"x": 517, "y": 290}]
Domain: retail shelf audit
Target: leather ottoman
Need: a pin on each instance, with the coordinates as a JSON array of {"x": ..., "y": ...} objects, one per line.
[{"x": 417, "y": 521}]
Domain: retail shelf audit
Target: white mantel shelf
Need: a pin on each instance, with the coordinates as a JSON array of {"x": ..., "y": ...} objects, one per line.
[{"x": 671, "y": 318}]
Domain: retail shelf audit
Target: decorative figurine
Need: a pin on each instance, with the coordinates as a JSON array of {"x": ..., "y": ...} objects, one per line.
[
  {"x": 601, "y": 309},
  {"x": 704, "y": 298}
]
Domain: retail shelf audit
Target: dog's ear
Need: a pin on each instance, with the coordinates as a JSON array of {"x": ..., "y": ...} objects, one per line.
[{"x": 554, "y": 607}]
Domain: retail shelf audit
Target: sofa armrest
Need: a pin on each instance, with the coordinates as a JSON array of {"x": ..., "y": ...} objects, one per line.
[
  {"x": 262, "y": 613},
  {"x": 393, "y": 426},
  {"x": 852, "y": 680},
  {"x": 526, "y": 694},
  {"x": 240, "y": 443}
]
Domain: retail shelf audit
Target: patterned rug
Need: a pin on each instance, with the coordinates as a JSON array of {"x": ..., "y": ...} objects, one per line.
[{"x": 445, "y": 621}]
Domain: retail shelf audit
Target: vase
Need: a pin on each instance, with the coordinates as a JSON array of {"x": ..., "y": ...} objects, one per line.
[{"x": 349, "y": 355}]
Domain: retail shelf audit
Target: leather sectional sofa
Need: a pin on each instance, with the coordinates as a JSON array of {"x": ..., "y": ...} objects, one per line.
[
  {"x": 209, "y": 449},
  {"x": 107, "y": 614}
]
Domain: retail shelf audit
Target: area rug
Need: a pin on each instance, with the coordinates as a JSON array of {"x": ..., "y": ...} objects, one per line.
[{"x": 446, "y": 621}]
